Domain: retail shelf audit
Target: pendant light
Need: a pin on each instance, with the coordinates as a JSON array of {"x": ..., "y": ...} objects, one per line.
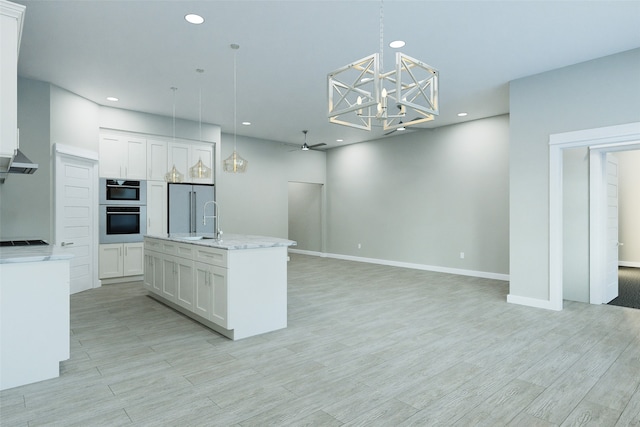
[
  {"x": 200, "y": 170},
  {"x": 174, "y": 175},
  {"x": 234, "y": 163}
]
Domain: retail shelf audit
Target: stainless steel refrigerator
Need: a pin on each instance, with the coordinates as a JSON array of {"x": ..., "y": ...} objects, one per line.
[{"x": 186, "y": 208}]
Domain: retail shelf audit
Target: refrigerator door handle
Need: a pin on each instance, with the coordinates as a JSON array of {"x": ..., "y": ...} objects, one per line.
[
  {"x": 190, "y": 214},
  {"x": 193, "y": 211}
]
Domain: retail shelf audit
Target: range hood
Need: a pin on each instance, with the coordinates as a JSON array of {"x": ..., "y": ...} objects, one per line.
[{"x": 20, "y": 164}]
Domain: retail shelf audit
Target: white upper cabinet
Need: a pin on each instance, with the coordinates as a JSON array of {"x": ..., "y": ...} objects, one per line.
[
  {"x": 10, "y": 32},
  {"x": 184, "y": 155},
  {"x": 140, "y": 157},
  {"x": 179, "y": 157},
  {"x": 202, "y": 152},
  {"x": 122, "y": 156},
  {"x": 157, "y": 160}
]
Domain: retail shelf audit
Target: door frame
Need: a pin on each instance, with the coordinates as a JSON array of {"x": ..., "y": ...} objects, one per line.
[
  {"x": 60, "y": 151},
  {"x": 599, "y": 141}
]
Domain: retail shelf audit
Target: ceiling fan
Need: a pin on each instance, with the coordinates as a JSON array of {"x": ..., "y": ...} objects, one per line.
[{"x": 306, "y": 147}]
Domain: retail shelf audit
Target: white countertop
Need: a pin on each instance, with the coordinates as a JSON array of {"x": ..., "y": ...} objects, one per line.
[
  {"x": 17, "y": 254},
  {"x": 228, "y": 241}
]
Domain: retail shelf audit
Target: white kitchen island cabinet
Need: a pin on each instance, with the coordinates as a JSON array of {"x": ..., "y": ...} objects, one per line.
[{"x": 236, "y": 286}]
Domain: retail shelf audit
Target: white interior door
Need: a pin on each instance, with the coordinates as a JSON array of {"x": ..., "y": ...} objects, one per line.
[
  {"x": 611, "y": 269},
  {"x": 76, "y": 208}
]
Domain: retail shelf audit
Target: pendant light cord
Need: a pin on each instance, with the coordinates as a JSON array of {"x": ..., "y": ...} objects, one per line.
[
  {"x": 235, "y": 47},
  {"x": 174, "y": 89},
  {"x": 381, "y": 38}
]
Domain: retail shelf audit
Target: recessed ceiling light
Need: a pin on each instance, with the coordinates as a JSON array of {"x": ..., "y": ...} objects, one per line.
[
  {"x": 397, "y": 44},
  {"x": 112, "y": 98},
  {"x": 462, "y": 114},
  {"x": 339, "y": 140},
  {"x": 246, "y": 123},
  {"x": 192, "y": 18}
]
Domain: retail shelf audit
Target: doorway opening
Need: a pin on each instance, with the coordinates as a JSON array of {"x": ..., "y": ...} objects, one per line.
[
  {"x": 305, "y": 217},
  {"x": 600, "y": 141}
]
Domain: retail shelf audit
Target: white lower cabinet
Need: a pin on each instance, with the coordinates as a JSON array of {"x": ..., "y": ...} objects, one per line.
[
  {"x": 211, "y": 293},
  {"x": 199, "y": 287},
  {"x": 121, "y": 260},
  {"x": 153, "y": 271},
  {"x": 236, "y": 292}
]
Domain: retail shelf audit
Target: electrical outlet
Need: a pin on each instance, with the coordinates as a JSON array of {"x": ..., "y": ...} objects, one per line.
[
  {"x": 461, "y": 255},
  {"x": 359, "y": 245}
]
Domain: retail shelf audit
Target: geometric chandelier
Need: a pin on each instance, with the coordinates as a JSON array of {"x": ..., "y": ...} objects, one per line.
[{"x": 362, "y": 91}]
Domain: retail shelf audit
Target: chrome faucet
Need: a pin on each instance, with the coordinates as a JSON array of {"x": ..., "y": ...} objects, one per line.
[{"x": 216, "y": 216}]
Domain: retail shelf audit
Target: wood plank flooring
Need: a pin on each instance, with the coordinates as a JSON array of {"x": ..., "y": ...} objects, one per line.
[{"x": 366, "y": 345}]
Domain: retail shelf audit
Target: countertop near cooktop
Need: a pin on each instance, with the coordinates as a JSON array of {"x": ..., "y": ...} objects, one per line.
[{"x": 32, "y": 254}]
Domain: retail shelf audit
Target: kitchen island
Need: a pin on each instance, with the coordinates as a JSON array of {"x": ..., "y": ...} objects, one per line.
[
  {"x": 34, "y": 313},
  {"x": 236, "y": 286}
]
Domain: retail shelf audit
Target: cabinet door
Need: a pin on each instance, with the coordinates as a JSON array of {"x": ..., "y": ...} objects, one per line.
[
  {"x": 110, "y": 260},
  {"x": 169, "y": 278},
  {"x": 156, "y": 160},
  {"x": 111, "y": 153},
  {"x": 133, "y": 259},
  {"x": 156, "y": 208},
  {"x": 179, "y": 157},
  {"x": 220, "y": 297},
  {"x": 10, "y": 28},
  {"x": 203, "y": 297},
  {"x": 149, "y": 271},
  {"x": 202, "y": 152},
  {"x": 185, "y": 283},
  {"x": 135, "y": 158}
]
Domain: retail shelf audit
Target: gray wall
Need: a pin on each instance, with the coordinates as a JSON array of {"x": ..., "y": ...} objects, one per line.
[
  {"x": 256, "y": 202},
  {"x": 602, "y": 92},
  {"x": 25, "y": 200},
  {"x": 424, "y": 197},
  {"x": 629, "y": 204},
  {"x": 305, "y": 215}
]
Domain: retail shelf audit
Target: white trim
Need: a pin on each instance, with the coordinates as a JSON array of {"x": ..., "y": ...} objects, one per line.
[
  {"x": 597, "y": 232},
  {"x": 424, "y": 267},
  {"x": 629, "y": 264},
  {"x": 304, "y": 252},
  {"x": 597, "y": 137},
  {"x": 76, "y": 152},
  {"x": 612, "y": 138},
  {"x": 532, "y": 302}
]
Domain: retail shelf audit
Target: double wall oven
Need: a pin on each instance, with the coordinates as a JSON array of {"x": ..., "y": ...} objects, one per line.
[{"x": 123, "y": 210}]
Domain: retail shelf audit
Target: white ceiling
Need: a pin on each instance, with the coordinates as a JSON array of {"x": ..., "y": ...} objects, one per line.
[{"x": 137, "y": 50}]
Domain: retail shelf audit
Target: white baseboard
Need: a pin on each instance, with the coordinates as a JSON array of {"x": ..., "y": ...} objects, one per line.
[
  {"x": 303, "y": 252},
  {"x": 629, "y": 264},
  {"x": 115, "y": 280},
  {"x": 414, "y": 266},
  {"x": 533, "y": 302}
]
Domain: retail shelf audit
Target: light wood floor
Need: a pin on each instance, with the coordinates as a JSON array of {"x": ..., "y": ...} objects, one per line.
[{"x": 366, "y": 345}]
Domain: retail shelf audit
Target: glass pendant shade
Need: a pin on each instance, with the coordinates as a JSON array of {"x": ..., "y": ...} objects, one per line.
[
  {"x": 234, "y": 163},
  {"x": 173, "y": 175},
  {"x": 200, "y": 170}
]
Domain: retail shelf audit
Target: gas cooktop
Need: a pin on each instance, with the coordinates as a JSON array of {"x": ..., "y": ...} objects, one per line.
[{"x": 23, "y": 243}]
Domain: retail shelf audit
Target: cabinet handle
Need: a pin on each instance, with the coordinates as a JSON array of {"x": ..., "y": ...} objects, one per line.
[{"x": 66, "y": 243}]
